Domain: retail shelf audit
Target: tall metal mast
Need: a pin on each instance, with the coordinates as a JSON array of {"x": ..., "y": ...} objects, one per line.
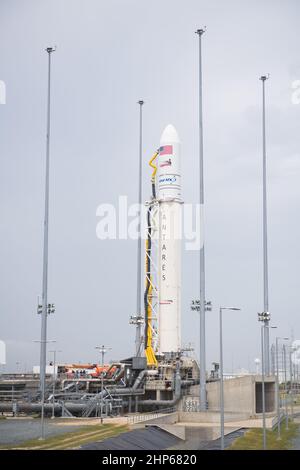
[
  {"x": 139, "y": 317},
  {"x": 103, "y": 349},
  {"x": 45, "y": 308},
  {"x": 265, "y": 233},
  {"x": 202, "y": 255}
]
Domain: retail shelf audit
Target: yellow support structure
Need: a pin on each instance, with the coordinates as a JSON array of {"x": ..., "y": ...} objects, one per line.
[
  {"x": 153, "y": 166},
  {"x": 150, "y": 355},
  {"x": 149, "y": 352}
]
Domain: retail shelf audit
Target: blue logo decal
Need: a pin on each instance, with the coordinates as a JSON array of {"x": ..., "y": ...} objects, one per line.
[{"x": 168, "y": 180}]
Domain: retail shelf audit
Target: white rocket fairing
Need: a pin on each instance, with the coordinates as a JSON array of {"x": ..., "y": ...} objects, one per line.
[{"x": 169, "y": 249}]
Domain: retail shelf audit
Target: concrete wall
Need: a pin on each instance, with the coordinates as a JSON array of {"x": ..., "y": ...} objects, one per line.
[
  {"x": 240, "y": 394},
  {"x": 208, "y": 417},
  {"x": 170, "y": 418},
  {"x": 194, "y": 390}
]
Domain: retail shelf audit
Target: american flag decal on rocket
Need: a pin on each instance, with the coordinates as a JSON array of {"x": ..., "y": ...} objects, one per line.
[{"x": 166, "y": 150}]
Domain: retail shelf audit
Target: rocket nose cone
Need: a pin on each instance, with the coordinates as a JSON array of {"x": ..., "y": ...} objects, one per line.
[{"x": 169, "y": 135}]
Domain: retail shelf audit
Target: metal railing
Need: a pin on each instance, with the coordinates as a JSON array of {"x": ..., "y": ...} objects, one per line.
[
  {"x": 20, "y": 376},
  {"x": 275, "y": 420},
  {"x": 13, "y": 395},
  {"x": 141, "y": 417}
]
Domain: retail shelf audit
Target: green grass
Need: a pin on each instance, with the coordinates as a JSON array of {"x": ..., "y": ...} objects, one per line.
[
  {"x": 252, "y": 439},
  {"x": 71, "y": 440}
]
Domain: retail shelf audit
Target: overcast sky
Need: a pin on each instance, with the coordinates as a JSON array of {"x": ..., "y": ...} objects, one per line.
[{"x": 109, "y": 55}]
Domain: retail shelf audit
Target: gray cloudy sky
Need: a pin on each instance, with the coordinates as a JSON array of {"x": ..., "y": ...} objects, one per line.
[{"x": 110, "y": 54}]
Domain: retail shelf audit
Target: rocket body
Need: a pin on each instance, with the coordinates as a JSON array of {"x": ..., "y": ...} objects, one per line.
[{"x": 169, "y": 246}]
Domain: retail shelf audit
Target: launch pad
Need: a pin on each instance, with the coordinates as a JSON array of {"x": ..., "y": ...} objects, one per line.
[
  {"x": 128, "y": 387},
  {"x": 161, "y": 371}
]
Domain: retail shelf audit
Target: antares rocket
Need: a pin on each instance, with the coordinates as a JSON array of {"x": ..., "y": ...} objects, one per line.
[
  {"x": 169, "y": 257},
  {"x": 166, "y": 195}
]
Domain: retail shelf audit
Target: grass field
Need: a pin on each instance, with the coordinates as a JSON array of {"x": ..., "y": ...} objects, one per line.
[
  {"x": 252, "y": 439},
  {"x": 72, "y": 440}
]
